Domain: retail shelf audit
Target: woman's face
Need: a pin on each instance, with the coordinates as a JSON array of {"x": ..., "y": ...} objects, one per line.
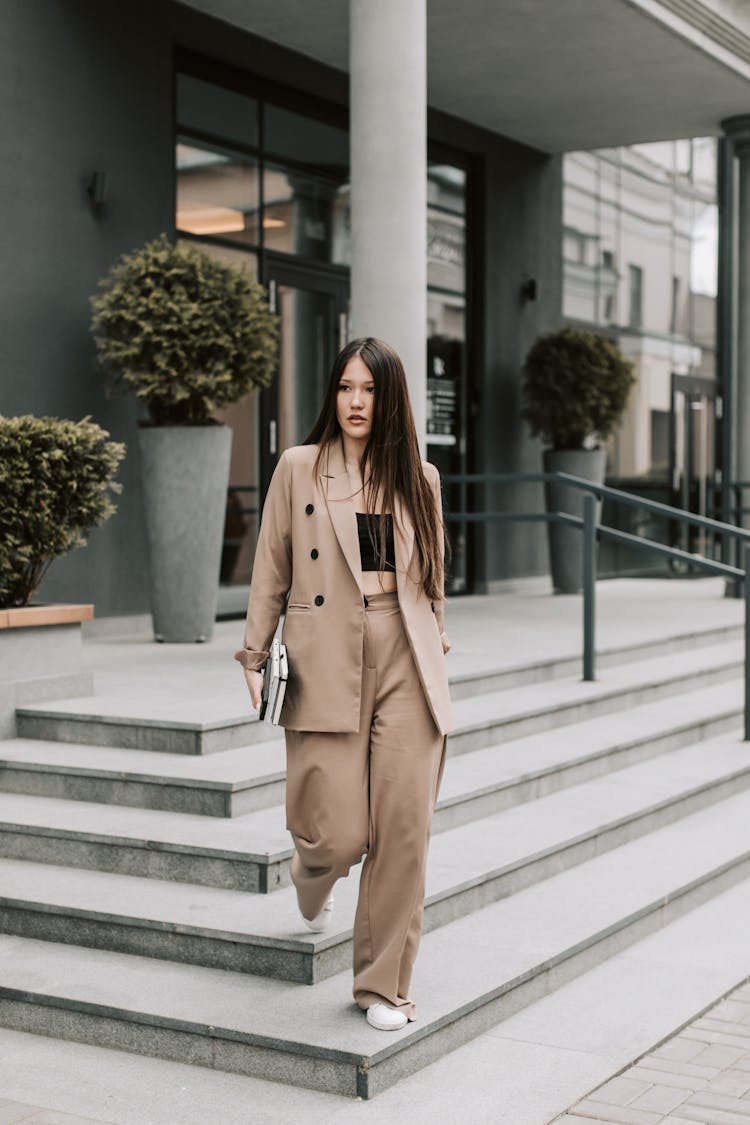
[{"x": 355, "y": 400}]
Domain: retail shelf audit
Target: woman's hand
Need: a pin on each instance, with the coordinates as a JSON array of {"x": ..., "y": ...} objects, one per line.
[{"x": 254, "y": 681}]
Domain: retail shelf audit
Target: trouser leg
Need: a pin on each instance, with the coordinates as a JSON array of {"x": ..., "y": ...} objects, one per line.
[
  {"x": 327, "y": 799},
  {"x": 406, "y": 758}
]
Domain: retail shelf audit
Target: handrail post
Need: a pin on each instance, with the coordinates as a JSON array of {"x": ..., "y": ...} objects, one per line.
[
  {"x": 746, "y": 583},
  {"x": 589, "y": 586}
]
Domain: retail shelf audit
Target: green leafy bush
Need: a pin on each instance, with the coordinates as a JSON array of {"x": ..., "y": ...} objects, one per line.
[
  {"x": 184, "y": 332},
  {"x": 56, "y": 477},
  {"x": 575, "y": 387}
]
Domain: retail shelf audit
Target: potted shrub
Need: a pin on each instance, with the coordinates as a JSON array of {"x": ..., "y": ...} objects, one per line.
[
  {"x": 186, "y": 334},
  {"x": 56, "y": 483},
  {"x": 575, "y": 389}
]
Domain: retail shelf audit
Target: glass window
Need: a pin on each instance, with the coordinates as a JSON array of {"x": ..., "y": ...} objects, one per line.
[
  {"x": 305, "y": 140},
  {"x": 213, "y": 109},
  {"x": 635, "y": 274},
  {"x": 217, "y": 193},
  {"x": 305, "y": 215}
]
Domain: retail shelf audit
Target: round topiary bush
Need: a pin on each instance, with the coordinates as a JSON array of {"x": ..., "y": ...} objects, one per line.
[
  {"x": 185, "y": 333},
  {"x": 56, "y": 480},
  {"x": 575, "y": 388}
]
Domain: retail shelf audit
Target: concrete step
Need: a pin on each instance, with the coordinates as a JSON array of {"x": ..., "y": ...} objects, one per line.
[
  {"x": 252, "y": 853},
  {"x": 229, "y": 783},
  {"x": 471, "y": 973},
  {"x": 468, "y": 868},
  {"x": 522, "y": 1071},
  {"x": 236, "y": 782},
  {"x": 542, "y": 670},
  {"x": 202, "y": 727}
]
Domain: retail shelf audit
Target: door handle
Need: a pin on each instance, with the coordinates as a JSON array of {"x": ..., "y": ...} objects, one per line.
[{"x": 272, "y": 437}]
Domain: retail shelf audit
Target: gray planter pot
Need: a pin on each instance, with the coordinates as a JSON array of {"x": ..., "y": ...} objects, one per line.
[
  {"x": 185, "y": 475},
  {"x": 566, "y": 543}
]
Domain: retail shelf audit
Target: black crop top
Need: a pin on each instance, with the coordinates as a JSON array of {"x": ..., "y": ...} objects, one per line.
[{"x": 367, "y": 553}]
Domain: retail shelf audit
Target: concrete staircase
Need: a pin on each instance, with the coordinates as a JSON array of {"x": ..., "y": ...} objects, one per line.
[{"x": 144, "y": 867}]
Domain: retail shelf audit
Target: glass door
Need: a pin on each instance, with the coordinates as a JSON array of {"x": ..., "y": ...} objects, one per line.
[{"x": 313, "y": 307}]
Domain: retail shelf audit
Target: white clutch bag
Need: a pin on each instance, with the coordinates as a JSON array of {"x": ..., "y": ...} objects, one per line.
[{"x": 275, "y": 679}]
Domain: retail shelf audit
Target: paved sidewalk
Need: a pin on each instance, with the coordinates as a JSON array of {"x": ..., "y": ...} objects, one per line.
[{"x": 701, "y": 1075}]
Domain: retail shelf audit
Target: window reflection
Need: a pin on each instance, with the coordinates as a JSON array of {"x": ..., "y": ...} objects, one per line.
[
  {"x": 217, "y": 193},
  {"x": 305, "y": 215}
]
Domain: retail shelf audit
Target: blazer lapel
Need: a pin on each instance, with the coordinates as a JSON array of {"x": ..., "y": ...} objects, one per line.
[{"x": 339, "y": 490}]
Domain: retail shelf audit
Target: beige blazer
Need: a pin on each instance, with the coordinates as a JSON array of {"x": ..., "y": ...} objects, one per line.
[{"x": 308, "y": 553}]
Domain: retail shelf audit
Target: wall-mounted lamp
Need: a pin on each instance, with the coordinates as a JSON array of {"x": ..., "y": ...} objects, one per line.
[
  {"x": 96, "y": 189},
  {"x": 529, "y": 290}
]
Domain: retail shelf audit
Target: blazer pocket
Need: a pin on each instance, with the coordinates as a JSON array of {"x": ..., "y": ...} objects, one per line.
[{"x": 296, "y": 605}]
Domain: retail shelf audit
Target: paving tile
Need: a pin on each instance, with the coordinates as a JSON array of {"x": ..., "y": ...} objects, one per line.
[
  {"x": 701, "y": 1116},
  {"x": 661, "y": 1099},
  {"x": 667, "y": 1076},
  {"x": 622, "y": 1090},
  {"x": 680, "y": 1049},
  {"x": 672, "y": 1120},
  {"x": 725, "y": 1027},
  {"x": 721, "y": 1038},
  {"x": 689, "y": 1069},
  {"x": 617, "y": 1114},
  {"x": 719, "y": 1055},
  {"x": 734, "y": 1011},
  {"x": 735, "y": 1083},
  {"x": 704, "y": 1099},
  {"x": 575, "y": 1119}
]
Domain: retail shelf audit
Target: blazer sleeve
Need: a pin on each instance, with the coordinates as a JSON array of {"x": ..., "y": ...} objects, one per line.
[
  {"x": 272, "y": 570},
  {"x": 439, "y": 605}
]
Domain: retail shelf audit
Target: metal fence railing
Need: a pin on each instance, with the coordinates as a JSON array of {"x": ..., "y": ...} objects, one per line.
[{"x": 592, "y": 530}]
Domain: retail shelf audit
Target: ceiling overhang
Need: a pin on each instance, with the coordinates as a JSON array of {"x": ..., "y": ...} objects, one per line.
[{"x": 558, "y": 75}]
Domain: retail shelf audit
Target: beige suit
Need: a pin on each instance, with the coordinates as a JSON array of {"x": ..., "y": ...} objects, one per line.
[
  {"x": 366, "y": 711},
  {"x": 308, "y": 547}
]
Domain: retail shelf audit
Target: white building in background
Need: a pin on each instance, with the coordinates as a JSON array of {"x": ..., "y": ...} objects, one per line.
[{"x": 640, "y": 249}]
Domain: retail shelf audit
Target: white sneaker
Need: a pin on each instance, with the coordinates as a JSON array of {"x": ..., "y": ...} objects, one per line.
[
  {"x": 321, "y": 921},
  {"x": 385, "y": 1019}
]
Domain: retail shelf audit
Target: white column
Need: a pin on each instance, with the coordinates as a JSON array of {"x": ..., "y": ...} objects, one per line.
[
  {"x": 738, "y": 128},
  {"x": 388, "y": 106}
]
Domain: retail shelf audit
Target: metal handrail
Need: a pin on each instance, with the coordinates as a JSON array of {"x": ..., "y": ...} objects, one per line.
[{"x": 593, "y": 530}]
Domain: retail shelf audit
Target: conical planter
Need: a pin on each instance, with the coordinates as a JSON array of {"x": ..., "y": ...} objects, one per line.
[
  {"x": 566, "y": 543},
  {"x": 185, "y": 476}
]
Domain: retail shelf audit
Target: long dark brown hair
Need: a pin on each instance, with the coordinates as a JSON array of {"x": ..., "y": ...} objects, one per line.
[{"x": 391, "y": 465}]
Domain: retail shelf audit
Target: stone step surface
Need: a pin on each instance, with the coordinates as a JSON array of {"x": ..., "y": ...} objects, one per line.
[
  {"x": 252, "y": 853},
  {"x": 480, "y": 721},
  {"x": 236, "y": 782},
  {"x": 529, "y": 1067},
  {"x": 225, "y": 784},
  {"x": 471, "y": 972},
  {"x": 468, "y": 868}
]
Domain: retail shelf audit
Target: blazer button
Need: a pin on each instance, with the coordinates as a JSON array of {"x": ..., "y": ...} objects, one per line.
[
  {"x": 314, "y": 553},
  {"x": 319, "y": 599},
  {"x": 309, "y": 510}
]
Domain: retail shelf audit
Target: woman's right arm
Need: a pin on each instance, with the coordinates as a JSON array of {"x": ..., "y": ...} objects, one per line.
[{"x": 271, "y": 578}]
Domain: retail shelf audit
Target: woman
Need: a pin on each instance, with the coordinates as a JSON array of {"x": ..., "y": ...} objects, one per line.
[{"x": 352, "y": 536}]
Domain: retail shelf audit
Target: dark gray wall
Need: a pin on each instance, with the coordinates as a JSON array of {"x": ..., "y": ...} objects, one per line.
[
  {"x": 523, "y": 241},
  {"x": 84, "y": 86},
  {"x": 87, "y": 86}
]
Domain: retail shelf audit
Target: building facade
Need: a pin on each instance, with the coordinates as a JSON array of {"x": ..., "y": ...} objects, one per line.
[{"x": 380, "y": 168}]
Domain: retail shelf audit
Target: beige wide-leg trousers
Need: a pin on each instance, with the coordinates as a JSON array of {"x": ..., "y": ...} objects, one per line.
[{"x": 371, "y": 793}]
